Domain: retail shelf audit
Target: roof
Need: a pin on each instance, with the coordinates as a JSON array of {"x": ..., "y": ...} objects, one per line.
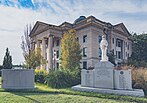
[{"x": 91, "y": 20}]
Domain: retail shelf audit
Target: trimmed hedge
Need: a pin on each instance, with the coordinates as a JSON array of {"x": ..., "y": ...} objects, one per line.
[
  {"x": 40, "y": 75},
  {"x": 62, "y": 79}
]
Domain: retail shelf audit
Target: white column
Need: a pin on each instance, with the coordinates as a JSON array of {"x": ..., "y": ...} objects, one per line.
[
  {"x": 43, "y": 48},
  {"x": 43, "y": 51},
  {"x": 50, "y": 52},
  {"x": 38, "y": 44}
]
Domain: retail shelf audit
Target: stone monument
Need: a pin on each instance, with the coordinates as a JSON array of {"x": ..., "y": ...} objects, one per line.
[{"x": 104, "y": 79}]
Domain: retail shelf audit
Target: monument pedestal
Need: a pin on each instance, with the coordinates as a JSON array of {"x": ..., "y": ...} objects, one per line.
[
  {"x": 87, "y": 78},
  {"x": 103, "y": 75},
  {"x": 134, "y": 92},
  {"x": 123, "y": 79},
  {"x": 104, "y": 79}
]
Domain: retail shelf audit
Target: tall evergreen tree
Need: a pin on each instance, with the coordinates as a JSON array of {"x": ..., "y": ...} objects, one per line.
[
  {"x": 7, "y": 62},
  {"x": 71, "y": 52}
]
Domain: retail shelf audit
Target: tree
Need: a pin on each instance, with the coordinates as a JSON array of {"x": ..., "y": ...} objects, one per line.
[
  {"x": 71, "y": 52},
  {"x": 111, "y": 57},
  {"x": 7, "y": 62},
  {"x": 33, "y": 58},
  {"x": 139, "y": 48}
]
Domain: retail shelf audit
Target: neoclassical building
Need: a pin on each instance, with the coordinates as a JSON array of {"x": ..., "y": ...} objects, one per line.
[{"x": 90, "y": 30}]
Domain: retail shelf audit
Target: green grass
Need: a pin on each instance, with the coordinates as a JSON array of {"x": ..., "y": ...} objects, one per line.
[{"x": 45, "y": 94}]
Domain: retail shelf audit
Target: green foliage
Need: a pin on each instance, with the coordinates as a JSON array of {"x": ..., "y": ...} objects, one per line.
[
  {"x": 40, "y": 75},
  {"x": 111, "y": 57},
  {"x": 139, "y": 48},
  {"x": 34, "y": 59},
  {"x": 139, "y": 78},
  {"x": 71, "y": 52},
  {"x": 62, "y": 79},
  {"x": 45, "y": 94},
  {"x": 7, "y": 62}
]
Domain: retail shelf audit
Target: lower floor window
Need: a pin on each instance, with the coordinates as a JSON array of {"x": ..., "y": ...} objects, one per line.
[
  {"x": 57, "y": 65},
  {"x": 84, "y": 65}
]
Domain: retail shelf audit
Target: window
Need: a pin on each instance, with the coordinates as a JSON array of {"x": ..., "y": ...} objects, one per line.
[
  {"x": 57, "y": 53},
  {"x": 128, "y": 55},
  {"x": 84, "y": 65},
  {"x": 57, "y": 65},
  {"x": 119, "y": 55},
  {"x": 100, "y": 52},
  {"x": 85, "y": 52},
  {"x": 84, "y": 38},
  {"x": 113, "y": 40},
  {"x": 118, "y": 43},
  {"x": 57, "y": 42},
  {"x": 128, "y": 46},
  {"x": 113, "y": 51},
  {"x": 99, "y": 39}
]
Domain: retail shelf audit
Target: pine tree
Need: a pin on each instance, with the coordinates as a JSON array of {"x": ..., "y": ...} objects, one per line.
[
  {"x": 7, "y": 62},
  {"x": 71, "y": 52}
]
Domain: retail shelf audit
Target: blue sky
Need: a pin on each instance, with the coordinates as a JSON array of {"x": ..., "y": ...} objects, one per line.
[{"x": 16, "y": 14}]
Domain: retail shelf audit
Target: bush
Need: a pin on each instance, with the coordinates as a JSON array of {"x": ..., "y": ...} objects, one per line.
[
  {"x": 139, "y": 77},
  {"x": 63, "y": 78},
  {"x": 40, "y": 75}
]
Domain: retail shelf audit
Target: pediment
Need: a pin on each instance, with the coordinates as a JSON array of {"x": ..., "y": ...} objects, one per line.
[
  {"x": 38, "y": 27},
  {"x": 121, "y": 27}
]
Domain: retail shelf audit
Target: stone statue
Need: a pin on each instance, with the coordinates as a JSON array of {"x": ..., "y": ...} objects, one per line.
[{"x": 103, "y": 46}]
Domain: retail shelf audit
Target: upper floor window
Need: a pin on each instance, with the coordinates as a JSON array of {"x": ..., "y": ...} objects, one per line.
[
  {"x": 118, "y": 43},
  {"x": 99, "y": 38},
  {"x": 85, "y": 52},
  {"x": 128, "y": 46},
  {"x": 58, "y": 42},
  {"x": 84, "y": 38}
]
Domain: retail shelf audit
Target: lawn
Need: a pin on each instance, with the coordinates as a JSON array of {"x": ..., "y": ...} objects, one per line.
[{"x": 44, "y": 94}]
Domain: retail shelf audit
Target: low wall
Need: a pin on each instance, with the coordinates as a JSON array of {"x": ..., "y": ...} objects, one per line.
[{"x": 17, "y": 79}]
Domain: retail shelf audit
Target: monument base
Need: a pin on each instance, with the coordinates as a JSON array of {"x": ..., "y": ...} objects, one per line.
[{"x": 134, "y": 92}]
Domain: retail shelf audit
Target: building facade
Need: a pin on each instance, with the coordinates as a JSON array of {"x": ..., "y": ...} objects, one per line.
[{"x": 90, "y": 30}]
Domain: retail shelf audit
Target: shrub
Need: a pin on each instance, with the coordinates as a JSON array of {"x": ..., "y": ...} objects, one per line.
[
  {"x": 139, "y": 77},
  {"x": 62, "y": 78},
  {"x": 40, "y": 75}
]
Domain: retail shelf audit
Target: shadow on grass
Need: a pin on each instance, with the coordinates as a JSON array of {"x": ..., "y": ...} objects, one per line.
[{"x": 68, "y": 91}]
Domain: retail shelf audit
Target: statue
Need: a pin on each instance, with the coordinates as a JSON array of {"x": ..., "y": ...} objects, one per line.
[{"x": 103, "y": 46}]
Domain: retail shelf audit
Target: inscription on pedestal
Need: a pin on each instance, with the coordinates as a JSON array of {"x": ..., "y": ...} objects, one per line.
[
  {"x": 123, "y": 79},
  {"x": 103, "y": 73},
  {"x": 103, "y": 78},
  {"x": 87, "y": 78}
]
